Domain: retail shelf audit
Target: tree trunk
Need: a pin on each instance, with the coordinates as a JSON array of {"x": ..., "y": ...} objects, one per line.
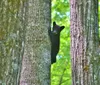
[
  {"x": 12, "y": 37},
  {"x": 85, "y": 42},
  {"x": 36, "y": 58}
]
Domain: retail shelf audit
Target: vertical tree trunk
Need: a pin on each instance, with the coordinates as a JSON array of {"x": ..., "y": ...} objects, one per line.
[
  {"x": 12, "y": 33},
  {"x": 84, "y": 42},
  {"x": 36, "y": 59}
]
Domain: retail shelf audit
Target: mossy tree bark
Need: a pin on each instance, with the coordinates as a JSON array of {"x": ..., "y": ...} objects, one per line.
[
  {"x": 36, "y": 59},
  {"x": 85, "y": 42},
  {"x": 20, "y": 21},
  {"x": 12, "y": 37}
]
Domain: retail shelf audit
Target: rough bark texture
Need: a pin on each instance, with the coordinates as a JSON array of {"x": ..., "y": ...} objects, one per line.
[
  {"x": 36, "y": 59},
  {"x": 11, "y": 40},
  {"x": 84, "y": 42}
]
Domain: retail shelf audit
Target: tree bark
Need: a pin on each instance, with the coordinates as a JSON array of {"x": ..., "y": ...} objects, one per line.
[
  {"x": 36, "y": 58},
  {"x": 85, "y": 42},
  {"x": 12, "y": 37}
]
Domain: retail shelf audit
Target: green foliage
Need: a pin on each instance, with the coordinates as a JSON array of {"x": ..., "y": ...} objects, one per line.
[{"x": 61, "y": 70}]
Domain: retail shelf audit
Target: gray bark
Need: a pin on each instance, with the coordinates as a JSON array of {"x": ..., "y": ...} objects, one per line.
[
  {"x": 36, "y": 58},
  {"x": 85, "y": 42},
  {"x": 12, "y": 33}
]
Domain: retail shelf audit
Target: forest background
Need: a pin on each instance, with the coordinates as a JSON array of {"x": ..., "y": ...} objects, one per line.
[{"x": 61, "y": 71}]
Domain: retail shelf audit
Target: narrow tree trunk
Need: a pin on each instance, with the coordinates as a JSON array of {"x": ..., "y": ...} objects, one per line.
[
  {"x": 36, "y": 59},
  {"x": 84, "y": 42}
]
